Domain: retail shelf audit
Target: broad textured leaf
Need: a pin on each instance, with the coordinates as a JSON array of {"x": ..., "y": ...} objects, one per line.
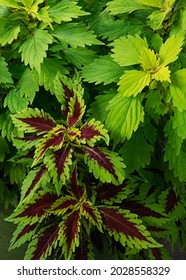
[
  {"x": 172, "y": 136},
  {"x": 35, "y": 179},
  {"x": 65, "y": 11},
  {"x": 127, "y": 50},
  {"x": 157, "y": 18},
  {"x": 178, "y": 97},
  {"x": 126, "y": 228},
  {"x": 15, "y": 102},
  {"x": 58, "y": 164},
  {"x": 35, "y": 210},
  {"x": 79, "y": 56},
  {"x": 76, "y": 35},
  {"x": 155, "y": 103},
  {"x": 133, "y": 82},
  {"x": 136, "y": 152},
  {"x": 28, "y": 85},
  {"x": 178, "y": 79},
  {"x": 42, "y": 244},
  {"x": 179, "y": 122},
  {"x": 9, "y": 3},
  {"x": 92, "y": 132},
  {"x": 33, "y": 50},
  {"x": 171, "y": 48},
  {"x": 76, "y": 110},
  {"x": 50, "y": 68},
  {"x": 52, "y": 140},
  {"x": 23, "y": 233},
  {"x": 5, "y": 75},
  {"x": 151, "y": 3},
  {"x": 33, "y": 120},
  {"x": 69, "y": 233},
  {"x": 104, "y": 164},
  {"x": 177, "y": 162},
  {"x": 116, "y": 7},
  {"x": 8, "y": 34},
  {"x": 102, "y": 70},
  {"x": 124, "y": 117},
  {"x": 148, "y": 59},
  {"x": 162, "y": 74}
]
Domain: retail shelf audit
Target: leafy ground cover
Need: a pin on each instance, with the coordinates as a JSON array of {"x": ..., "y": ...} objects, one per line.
[{"x": 93, "y": 127}]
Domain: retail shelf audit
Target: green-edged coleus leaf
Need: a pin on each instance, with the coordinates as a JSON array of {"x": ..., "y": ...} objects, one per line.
[
  {"x": 90, "y": 212},
  {"x": 126, "y": 228},
  {"x": 104, "y": 164},
  {"x": 69, "y": 233},
  {"x": 23, "y": 234},
  {"x": 34, "y": 180},
  {"x": 42, "y": 243},
  {"x": 174, "y": 205},
  {"x": 85, "y": 250},
  {"x": 93, "y": 131},
  {"x": 33, "y": 211},
  {"x": 52, "y": 140},
  {"x": 68, "y": 94},
  {"x": 58, "y": 164},
  {"x": 63, "y": 204},
  {"x": 33, "y": 120},
  {"x": 27, "y": 142},
  {"x": 76, "y": 109}
]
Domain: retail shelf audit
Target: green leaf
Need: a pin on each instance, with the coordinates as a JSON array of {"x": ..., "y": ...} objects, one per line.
[
  {"x": 65, "y": 11},
  {"x": 76, "y": 35},
  {"x": 178, "y": 97},
  {"x": 151, "y": 3},
  {"x": 102, "y": 70},
  {"x": 171, "y": 48},
  {"x": 9, "y": 3},
  {"x": 116, "y": 7},
  {"x": 156, "y": 19},
  {"x": 148, "y": 59},
  {"x": 15, "y": 101},
  {"x": 79, "y": 56},
  {"x": 124, "y": 117},
  {"x": 178, "y": 79},
  {"x": 9, "y": 33},
  {"x": 179, "y": 122},
  {"x": 5, "y": 76},
  {"x": 133, "y": 82},
  {"x": 155, "y": 104},
  {"x": 173, "y": 139},
  {"x": 136, "y": 152},
  {"x": 33, "y": 50},
  {"x": 28, "y": 85},
  {"x": 127, "y": 50},
  {"x": 4, "y": 149},
  {"x": 177, "y": 162}
]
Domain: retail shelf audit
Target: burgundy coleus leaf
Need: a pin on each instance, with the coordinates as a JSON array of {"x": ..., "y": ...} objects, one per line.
[
  {"x": 42, "y": 244},
  {"x": 82, "y": 251},
  {"x": 109, "y": 192},
  {"x": 172, "y": 201},
  {"x": 68, "y": 94},
  {"x": 58, "y": 164},
  {"x": 69, "y": 233},
  {"x": 33, "y": 120},
  {"x": 33, "y": 181},
  {"x": 75, "y": 188},
  {"x": 126, "y": 228},
  {"x": 140, "y": 209},
  {"x": 93, "y": 131},
  {"x": 104, "y": 164},
  {"x": 23, "y": 234},
  {"x": 63, "y": 204},
  {"x": 35, "y": 210},
  {"x": 92, "y": 214},
  {"x": 76, "y": 110},
  {"x": 52, "y": 140}
]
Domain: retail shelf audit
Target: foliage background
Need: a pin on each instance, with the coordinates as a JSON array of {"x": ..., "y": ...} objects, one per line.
[{"x": 92, "y": 122}]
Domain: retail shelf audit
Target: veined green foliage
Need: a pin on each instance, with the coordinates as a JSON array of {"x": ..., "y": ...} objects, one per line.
[{"x": 93, "y": 127}]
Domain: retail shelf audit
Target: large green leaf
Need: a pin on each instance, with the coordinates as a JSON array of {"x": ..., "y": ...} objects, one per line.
[
  {"x": 133, "y": 82},
  {"x": 76, "y": 35},
  {"x": 171, "y": 48},
  {"x": 9, "y": 33},
  {"x": 33, "y": 50},
  {"x": 118, "y": 6},
  {"x": 5, "y": 76},
  {"x": 102, "y": 70},
  {"x": 65, "y": 10},
  {"x": 9, "y": 3},
  {"x": 124, "y": 117},
  {"x": 127, "y": 50},
  {"x": 179, "y": 122},
  {"x": 15, "y": 102}
]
